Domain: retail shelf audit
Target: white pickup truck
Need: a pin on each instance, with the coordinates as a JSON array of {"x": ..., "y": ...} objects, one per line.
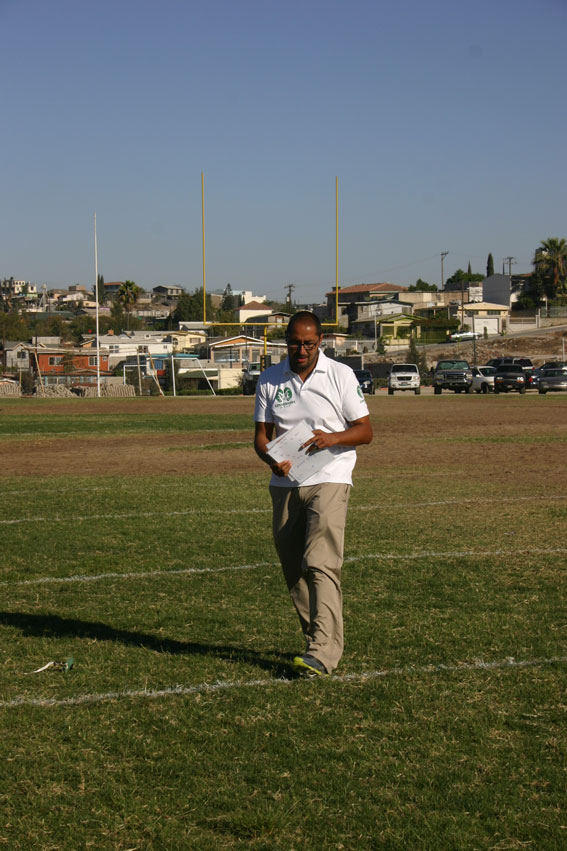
[{"x": 403, "y": 376}]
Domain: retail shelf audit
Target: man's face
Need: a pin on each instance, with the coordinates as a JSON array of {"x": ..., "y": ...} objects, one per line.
[{"x": 303, "y": 346}]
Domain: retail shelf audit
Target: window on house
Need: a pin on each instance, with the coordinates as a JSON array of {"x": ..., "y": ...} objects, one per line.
[
  {"x": 92, "y": 360},
  {"x": 55, "y": 361}
]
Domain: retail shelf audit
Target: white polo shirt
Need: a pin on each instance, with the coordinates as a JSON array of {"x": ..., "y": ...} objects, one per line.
[{"x": 329, "y": 399}]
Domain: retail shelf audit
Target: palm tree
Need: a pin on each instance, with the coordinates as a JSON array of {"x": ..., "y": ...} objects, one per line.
[
  {"x": 550, "y": 261},
  {"x": 128, "y": 296}
]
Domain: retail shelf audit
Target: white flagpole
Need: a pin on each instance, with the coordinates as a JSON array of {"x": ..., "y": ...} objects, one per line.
[{"x": 96, "y": 299}]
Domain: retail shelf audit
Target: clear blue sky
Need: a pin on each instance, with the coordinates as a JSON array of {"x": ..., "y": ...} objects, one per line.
[{"x": 444, "y": 121}]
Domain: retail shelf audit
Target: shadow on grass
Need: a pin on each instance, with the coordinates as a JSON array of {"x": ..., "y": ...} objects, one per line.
[{"x": 53, "y": 626}]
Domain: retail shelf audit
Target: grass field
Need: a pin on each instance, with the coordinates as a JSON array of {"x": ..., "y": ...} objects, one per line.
[{"x": 135, "y": 538}]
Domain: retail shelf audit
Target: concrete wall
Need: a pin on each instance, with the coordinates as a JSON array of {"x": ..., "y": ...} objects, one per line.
[{"x": 496, "y": 289}]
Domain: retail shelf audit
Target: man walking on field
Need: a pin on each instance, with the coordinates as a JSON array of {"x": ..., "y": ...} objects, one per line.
[{"x": 309, "y": 518}]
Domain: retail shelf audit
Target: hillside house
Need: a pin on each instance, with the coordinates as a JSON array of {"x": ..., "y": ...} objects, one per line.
[
  {"x": 240, "y": 350},
  {"x": 251, "y": 310},
  {"x": 68, "y": 366},
  {"x": 119, "y": 347}
]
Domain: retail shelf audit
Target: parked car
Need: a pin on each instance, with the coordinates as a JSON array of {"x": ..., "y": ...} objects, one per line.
[
  {"x": 525, "y": 363},
  {"x": 483, "y": 379},
  {"x": 403, "y": 376},
  {"x": 509, "y": 377},
  {"x": 532, "y": 378},
  {"x": 554, "y": 364},
  {"x": 452, "y": 375},
  {"x": 250, "y": 376},
  {"x": 553, "y": 380},
  {"x": 462, "y": 336},
  {"x": 365, "y": 380}
]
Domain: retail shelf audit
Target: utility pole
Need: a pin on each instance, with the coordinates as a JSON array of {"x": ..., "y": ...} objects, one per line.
[
  {"x": 290, "y": 288},
  {"x": 508, "y": 260},
  {"x": 443, "y": 255}
]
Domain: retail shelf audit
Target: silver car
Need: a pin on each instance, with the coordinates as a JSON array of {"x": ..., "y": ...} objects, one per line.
[
  {"x": 553, "y": 380},
  {"x": 483, "y": 379},
  {"x": 463, "y": 336}
]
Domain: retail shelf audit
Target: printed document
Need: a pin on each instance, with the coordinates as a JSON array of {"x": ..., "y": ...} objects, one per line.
[{"x": 304, "y": 462}]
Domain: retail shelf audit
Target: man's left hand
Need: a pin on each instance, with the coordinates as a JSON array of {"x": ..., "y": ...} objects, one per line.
[{"x": 321, "y": 439}]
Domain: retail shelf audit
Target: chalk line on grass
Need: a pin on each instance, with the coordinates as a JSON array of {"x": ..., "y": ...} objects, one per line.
[
  {"x": 202, "y": 512},
  {"x": 187, "y": 571},
  {"x": 227, "y": 685},
  {"x": 129, "y": 515}
]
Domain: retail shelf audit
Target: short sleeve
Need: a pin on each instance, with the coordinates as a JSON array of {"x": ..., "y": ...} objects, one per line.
[
  {"x": 354, "y": 403},
  {"x": 261, "y": 403}
]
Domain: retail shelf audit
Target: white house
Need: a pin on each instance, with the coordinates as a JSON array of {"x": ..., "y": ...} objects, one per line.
[
  {"x": 251, "y": 309},
  {"x": 15, "y": 356},
  {"x": 481, "y": 315},
  {"x": 239, "y": 350},
  {"x": 131, "y": 343}
]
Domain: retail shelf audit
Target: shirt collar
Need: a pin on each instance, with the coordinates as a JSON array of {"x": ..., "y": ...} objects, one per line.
[{"x": 321, "y": 365}]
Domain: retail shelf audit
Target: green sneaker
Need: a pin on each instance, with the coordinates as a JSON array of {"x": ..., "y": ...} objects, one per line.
[{"x": 309, "y": 667}]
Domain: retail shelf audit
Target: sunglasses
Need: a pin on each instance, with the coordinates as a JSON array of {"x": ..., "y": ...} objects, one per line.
[{"x": 308, "y": 346}]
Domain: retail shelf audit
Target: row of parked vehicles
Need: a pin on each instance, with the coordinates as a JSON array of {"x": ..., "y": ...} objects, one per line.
[
  {"x": 402, "y": 376},
  {"x": 499, "y": 375}
]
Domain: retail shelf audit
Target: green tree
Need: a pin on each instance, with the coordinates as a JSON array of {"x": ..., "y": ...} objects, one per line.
[
  {"x": 190, "y": 307},
  {"x": 68, "y": 362},
  {"x": 14, "y": 327},
  {"x": 128, "y": 296},
  {"x": 550, "y": 262},
  {"x": 117, "y": 317},
  {"x": 415, "y": 356},
  {"x": 422, "y": 287},
  {"x": 461, "y": 277},
  {"x": 277, "y": 333},
  {"x": 229, "y": 299},
  {"x": 98, "y": 289},
  {"x": 226, "y": 318},
  {"x": 489, "y": 266}
]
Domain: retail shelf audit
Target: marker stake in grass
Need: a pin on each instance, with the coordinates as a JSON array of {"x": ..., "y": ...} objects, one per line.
[{"x": 55, "y": 666}]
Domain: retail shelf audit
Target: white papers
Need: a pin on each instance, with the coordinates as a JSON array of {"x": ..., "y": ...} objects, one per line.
[{"x": 304, "y": 463}]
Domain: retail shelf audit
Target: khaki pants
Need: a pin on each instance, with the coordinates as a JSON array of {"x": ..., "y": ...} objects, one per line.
[{"x": 309, "y": 525}]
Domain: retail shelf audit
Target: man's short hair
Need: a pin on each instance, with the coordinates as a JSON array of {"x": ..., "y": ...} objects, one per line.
[{"x": 304, "y": 316}]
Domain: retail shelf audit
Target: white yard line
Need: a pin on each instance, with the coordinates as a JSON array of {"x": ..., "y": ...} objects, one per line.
[
  {"x": 458, "y": 554},
  {"x": 227, "y": 685},
  {"x": 464, "y": 501},
  {"x": 161, "y": 574},
  {"x": 202, "y": 512},
  {"x": 128, "y": 515},
  {"x": 146, "y": 574}
]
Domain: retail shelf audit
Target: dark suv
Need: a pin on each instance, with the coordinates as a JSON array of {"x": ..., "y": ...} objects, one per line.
[
  {"x": 509, "y": 376},
  {"x": 524, "y": 363},
  {"x": 365, "y": 380}
]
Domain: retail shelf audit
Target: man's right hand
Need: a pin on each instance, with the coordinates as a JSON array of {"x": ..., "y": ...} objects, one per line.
[{"x": 280, "y": 469}]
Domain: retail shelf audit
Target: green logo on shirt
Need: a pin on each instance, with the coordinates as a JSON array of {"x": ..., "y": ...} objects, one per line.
[
  {"x": 360, "y": 393},
  {"x": 284, "y": 396}
]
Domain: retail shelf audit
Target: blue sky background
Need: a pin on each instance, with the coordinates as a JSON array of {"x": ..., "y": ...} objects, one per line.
[{"x": 445, "y": 123}]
